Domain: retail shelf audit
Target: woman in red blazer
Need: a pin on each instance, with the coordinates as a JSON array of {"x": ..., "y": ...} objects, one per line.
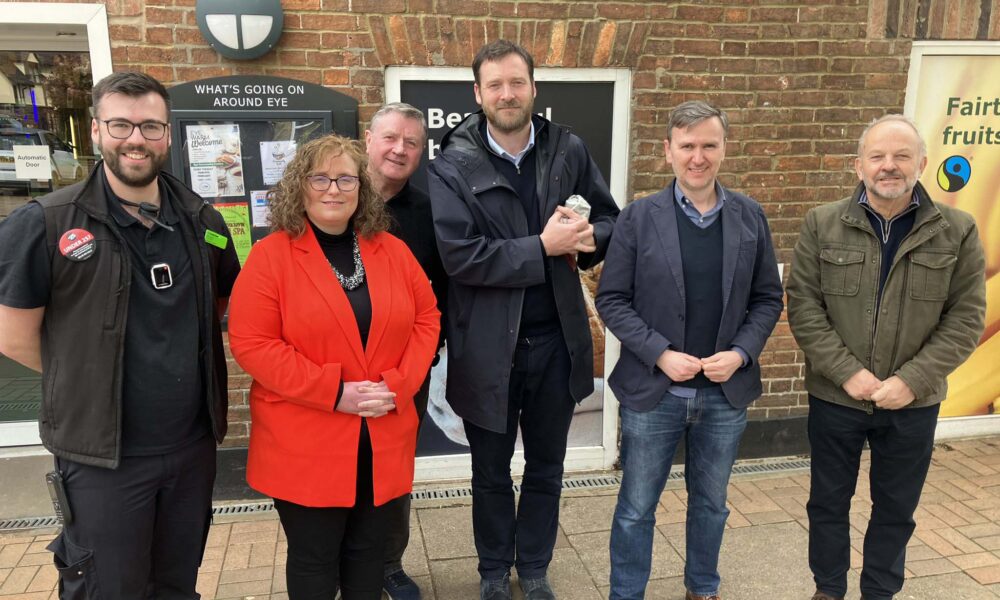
[{"x": 337, "y": 324}]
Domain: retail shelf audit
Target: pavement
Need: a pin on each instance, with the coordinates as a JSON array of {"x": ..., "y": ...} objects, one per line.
[{"x": 954, "y": 554}]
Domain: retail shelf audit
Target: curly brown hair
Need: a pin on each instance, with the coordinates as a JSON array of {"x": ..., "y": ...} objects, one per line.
[{"x": 288, "y": 212}]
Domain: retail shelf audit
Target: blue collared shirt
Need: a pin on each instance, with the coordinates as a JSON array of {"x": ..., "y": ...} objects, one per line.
[
  {"x": 702, "y": 221},
  {"x": 507, "y": 155}
]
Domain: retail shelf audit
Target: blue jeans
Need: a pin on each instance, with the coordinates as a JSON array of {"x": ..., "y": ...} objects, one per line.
[{"x": 712, "y": 429}]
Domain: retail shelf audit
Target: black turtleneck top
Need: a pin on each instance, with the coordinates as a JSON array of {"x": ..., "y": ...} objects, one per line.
[{"x": 339, "y": 251}]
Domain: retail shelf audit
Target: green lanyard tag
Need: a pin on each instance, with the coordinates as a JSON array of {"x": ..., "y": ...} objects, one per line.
[{"x": 216, "y": 239}]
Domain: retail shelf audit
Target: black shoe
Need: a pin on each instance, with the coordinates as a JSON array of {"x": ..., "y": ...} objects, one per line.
[
  {"x": 399, "y": 586},
  {"x": 536, "y": 589},
  {"x": 495, "y": 589}
]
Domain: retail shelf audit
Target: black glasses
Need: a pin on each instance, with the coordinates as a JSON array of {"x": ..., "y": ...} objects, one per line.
[
  {"x": 121, "y": 129},
  {"x": 321, "y": 183}
]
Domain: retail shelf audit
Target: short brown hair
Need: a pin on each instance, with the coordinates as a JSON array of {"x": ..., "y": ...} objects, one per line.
[
  {"x": 288, "y": 212},
  {"x": 498, "y": 49},
  {"x": 693, "y": 112}
]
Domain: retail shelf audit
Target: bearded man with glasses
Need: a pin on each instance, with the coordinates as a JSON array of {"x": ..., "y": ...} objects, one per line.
[{"x": 114, "y": 288}]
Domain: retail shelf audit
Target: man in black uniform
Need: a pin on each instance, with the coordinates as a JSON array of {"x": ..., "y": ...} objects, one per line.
[
  {"x": 394, "y": 141},
  {"x": 113, "y": 289}
]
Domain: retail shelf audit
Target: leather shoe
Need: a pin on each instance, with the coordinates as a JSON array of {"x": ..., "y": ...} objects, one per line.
[
  {"x": 824, "y": 596},
  {"x": 692, "y": 596},
  {"x": 536, "y": 588},
  {"x": 399, "y": 586},
  {"x": 495, "y": 589}
]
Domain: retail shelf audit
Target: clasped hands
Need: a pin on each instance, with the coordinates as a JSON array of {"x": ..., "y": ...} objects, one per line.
[
  {"x": 891, "y": 394},
  {"x": 718, "y": 368},
  {"x": 567, "y": 233},
  {"x": 366, "y": 399}
]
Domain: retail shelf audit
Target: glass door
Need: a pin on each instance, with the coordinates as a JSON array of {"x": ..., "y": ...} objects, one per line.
[{"x": 49, "y": 61}]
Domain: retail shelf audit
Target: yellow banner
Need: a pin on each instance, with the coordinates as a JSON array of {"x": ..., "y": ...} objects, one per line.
[{"x": 955, "y": 100}]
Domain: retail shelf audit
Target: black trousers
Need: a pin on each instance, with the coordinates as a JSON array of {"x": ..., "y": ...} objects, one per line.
[
  {"x": 139, "y": 530},
  {"x": 901, "y": 443},
  {"x": 538, "y": 400},
  {"x": 337, "y": 546},
  {"x": 397, "y": 516}
]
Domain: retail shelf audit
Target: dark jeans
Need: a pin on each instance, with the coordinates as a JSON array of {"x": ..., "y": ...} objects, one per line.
[
  {"x": 139, "y": 530},
  {"x": 337, "y": 546},
  {"x": 540, "y": 401},
  {"x": 398, "y": 515},
  {"x": 901, "y": 443}
]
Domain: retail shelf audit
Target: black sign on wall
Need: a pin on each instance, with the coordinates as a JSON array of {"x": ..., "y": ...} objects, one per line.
[
  {"x": 228, "y": 133},
  {"x": 586, "y": 107}
]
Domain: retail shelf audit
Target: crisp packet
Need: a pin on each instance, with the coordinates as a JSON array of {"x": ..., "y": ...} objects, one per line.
[{"x": 579, "y": 205}]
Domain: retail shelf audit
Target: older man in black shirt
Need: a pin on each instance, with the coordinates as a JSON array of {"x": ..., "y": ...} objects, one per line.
[{"x": 395, "y": 140}]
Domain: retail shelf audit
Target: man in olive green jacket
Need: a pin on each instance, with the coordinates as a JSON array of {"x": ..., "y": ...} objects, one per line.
[{"x": 886, "y": 297}]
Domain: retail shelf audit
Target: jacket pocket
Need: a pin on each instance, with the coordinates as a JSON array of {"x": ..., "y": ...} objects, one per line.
[
  {"x": 77, "y": 573},
  {"x": 840, "y": 271},
  {"x": 930, "y": 275}
]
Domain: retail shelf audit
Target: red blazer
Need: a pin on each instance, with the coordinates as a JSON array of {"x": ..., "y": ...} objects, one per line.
[{"x": 292, "y": 329}]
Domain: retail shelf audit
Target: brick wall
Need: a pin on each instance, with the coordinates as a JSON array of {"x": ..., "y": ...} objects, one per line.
[{"x": 798, "y": 79}]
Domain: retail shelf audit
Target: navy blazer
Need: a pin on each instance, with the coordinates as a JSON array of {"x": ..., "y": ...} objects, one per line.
[{"x": 641, "y": 295}]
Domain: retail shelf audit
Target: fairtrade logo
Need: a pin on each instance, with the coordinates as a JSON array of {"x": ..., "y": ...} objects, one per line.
[{"x": 954, "y": 173}]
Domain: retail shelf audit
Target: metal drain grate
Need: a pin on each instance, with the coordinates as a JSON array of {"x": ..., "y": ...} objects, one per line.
[
  {"x": 242, "y": 509},
  {"x": 29, "y": 523},
  {"x": 20, "y": 406},
  {"x": 574, "y": 483}
]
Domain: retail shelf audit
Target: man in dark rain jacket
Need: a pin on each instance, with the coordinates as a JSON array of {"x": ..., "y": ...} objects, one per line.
[{"x": 519, "y": 345}]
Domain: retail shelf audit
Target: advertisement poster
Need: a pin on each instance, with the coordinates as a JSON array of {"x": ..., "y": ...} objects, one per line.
[
  {"x": 215, "y": 160},
  {"x": 260, "y": 207},
  {"x": 237, "y": 218},
  {"x": 955, "y": 100},
  {"x": 274, "y": 157}
]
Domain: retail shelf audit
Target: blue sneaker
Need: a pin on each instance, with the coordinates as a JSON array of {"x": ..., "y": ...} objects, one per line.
[{"x": 399, "y": 586}]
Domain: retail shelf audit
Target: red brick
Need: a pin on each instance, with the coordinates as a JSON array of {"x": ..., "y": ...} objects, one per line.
[
  {"x": 120, "y": 33},
  {"x": 537, "y": 10},
  {"x": 692, "y": 12},
  {"x": 336, "y": 77},
  {"x": 621, "y": 11},
  {"x": 378, "y": 6},
  {"x": 479, "y": 8},
  {"x": 698, "y": 47},
  {"x": 160, "y": 35},
  {"x": 156, "y": 16}
]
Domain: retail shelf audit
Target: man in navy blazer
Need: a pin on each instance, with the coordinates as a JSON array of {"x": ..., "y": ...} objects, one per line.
[{"x": 691, "y": 288}]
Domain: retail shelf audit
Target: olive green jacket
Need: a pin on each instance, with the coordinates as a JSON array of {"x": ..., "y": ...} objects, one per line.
[{"x": 933, "y": 305}]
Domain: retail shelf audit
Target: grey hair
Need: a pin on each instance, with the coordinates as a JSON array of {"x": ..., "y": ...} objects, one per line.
[
  {"x": 695, "y": 111},
  {"x": 407, "y": 110},
  {"x": 893, "y": 118}
]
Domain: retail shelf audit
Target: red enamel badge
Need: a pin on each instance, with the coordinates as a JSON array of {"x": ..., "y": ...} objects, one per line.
[{"x": 77, "y": 244}]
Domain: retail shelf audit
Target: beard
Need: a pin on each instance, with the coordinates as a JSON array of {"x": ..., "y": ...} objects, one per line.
[
  {"x": 133, "y": 177},
  {"x": 893, "y": 193},
  {"x": 509, "y": 123}
]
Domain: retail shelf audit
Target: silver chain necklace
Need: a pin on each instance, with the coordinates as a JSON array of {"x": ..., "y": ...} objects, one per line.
[{"x": 354, "y": 281}]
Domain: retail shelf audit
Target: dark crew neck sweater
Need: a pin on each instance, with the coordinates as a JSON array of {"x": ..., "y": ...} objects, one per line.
[
  {"x": 701, "y": 255},
  {"x": 538, "y": 312}
]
